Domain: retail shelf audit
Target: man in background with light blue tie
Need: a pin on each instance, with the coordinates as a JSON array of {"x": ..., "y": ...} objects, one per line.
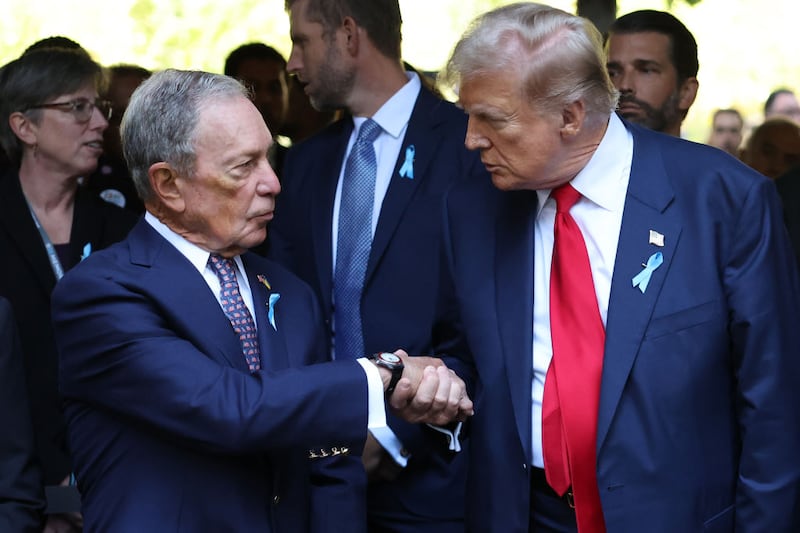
[
  {"x": 359, "y": 219},
  {"x": 180, "y": 352}
]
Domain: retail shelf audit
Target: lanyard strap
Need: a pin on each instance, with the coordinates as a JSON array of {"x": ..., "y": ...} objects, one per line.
[{"x": 55, "y": 264}]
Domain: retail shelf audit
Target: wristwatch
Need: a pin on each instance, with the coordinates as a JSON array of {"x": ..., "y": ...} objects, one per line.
[{"x": 394, "y": 364}]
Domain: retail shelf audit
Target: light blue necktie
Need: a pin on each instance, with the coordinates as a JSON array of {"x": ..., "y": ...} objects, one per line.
[{"x": 354, "y": 241}]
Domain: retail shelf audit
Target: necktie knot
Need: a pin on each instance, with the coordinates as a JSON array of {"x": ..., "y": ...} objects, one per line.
[
  {"x": 369, "y": 132},
  {"x": 222, "y": 267},
  {"x": 565, "y": 196}
]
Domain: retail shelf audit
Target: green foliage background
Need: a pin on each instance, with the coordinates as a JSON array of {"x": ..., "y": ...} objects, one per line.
[{"x": 746, "y": 47}]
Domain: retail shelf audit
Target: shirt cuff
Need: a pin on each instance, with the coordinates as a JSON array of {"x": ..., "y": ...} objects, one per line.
[
  {"x": 453, "y": 444},
  {"x": 389, "y": 441},
  {"x": 376, "y": 406}
]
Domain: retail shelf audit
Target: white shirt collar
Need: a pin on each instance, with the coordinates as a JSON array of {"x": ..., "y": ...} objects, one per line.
[
  {"x": 395, "y": 113},
  {"x": 608, "y": 170},
  {"x": 196, "y": 255}
]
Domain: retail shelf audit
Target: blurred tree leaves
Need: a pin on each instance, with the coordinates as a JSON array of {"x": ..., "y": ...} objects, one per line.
[
  {"x": 743, "y": 45},
  {"x": 152, "y": 33}
]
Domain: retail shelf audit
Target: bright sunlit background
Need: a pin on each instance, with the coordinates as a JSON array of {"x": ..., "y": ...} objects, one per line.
[{"x": 746, "y": 48}]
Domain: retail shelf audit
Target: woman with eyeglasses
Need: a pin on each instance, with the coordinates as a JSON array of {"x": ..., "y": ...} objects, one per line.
[{"x": 51, "y": 128}]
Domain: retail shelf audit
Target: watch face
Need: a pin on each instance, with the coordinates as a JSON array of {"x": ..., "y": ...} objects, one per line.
[{"x": 390, "y": 358}]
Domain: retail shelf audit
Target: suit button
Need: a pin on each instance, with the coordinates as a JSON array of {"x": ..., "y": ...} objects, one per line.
[
  {"x": 276, "y": 500},
  {"x": 404, "y": 452},
  {"x": 524, "y": 466}
]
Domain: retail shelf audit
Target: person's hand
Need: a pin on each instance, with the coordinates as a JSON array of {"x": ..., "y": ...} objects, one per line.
[
  {"x": 379, "y": 465},
  {"x": 66, "y": 522},
  {"x": 61, "y": 523},
  {"x": 430, "y": 392}
]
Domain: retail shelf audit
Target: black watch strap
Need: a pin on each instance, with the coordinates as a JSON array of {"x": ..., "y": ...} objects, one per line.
[{"x": 394, "y": 364}]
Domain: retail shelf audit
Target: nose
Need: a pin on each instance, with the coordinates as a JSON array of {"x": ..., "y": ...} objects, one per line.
[
  {"x": 294, "y": 64},
  {"x": 474, "y": 140},
  {"x": 269, "y": 183},
  {"x": 102, "y": 123},
  {"x": 624, "y": 82}
]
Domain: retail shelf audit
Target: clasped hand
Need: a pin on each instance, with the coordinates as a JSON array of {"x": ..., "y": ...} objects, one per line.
[{"x": 430, "y": 392}]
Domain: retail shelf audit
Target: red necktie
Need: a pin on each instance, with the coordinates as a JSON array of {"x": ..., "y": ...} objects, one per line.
[{"x": 572, "y": 384}]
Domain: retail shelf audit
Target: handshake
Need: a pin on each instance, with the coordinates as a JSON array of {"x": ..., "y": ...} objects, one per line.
[{"x": 427, "y": 392}]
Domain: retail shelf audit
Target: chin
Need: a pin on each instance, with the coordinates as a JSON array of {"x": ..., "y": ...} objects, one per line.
[
  {"x": 254, "y": 238},
  {"x": 503, "y": 182}
]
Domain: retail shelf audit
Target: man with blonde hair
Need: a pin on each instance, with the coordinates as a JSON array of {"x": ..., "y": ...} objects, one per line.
[{"x": 629, "y": 301}]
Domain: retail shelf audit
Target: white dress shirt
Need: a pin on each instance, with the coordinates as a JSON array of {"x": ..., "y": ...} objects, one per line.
[
  {"x": 199, "y": 259},
  {"x": 603, "y": 184}
]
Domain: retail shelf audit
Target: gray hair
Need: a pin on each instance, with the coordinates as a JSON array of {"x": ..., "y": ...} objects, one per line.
[
  {"x": 560, "y": 57},
  {"x": 161, "y": 121},
  {"x": 38, "y": 77}
]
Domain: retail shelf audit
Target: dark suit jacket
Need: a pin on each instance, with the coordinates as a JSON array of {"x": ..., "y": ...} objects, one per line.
[
  {"x": 398, "y": 301},
  {"x": 789, "y": 191},
  {"x": 26, "y": 280},
  {"x": 21, "y": 493},
  {"x": 168, "y": 428},
  {"x": 699, "y": 408}
]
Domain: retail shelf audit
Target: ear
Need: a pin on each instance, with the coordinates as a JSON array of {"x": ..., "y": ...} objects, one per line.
[
  {"x": 688, "y": 92},
  {"x": 572, "y": 117},
  {"x": 352, "y": 35},
  {"x": 164, "y": 181},
  {"x": 23, "y": 127}
]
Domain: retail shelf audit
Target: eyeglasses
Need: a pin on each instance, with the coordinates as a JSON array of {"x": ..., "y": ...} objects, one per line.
[{"x": 81, "y": 108}]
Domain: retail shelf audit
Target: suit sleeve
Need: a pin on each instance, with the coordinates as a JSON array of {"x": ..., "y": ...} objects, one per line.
[
  {"x": 338, "y": 483},
  {"x": 119, "y": 352},
  {"x": 338, "y": 494},
  {"x": 762, "y": 285},
  {"x": 21, "y": 488}
]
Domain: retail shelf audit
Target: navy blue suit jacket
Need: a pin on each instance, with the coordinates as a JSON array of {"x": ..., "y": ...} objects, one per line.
[
  {"x": 169, "y": 430},
  {"x": 399, "y": 296},
  {"x": 699, "y": 417}
]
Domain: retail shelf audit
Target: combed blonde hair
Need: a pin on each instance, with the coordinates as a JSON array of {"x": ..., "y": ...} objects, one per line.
[{"x": 559, "y": 55}]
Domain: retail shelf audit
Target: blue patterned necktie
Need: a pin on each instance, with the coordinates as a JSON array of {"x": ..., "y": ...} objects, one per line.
[
  {"x": 354, "y": 241},
  {"x": 236, "y": 311}
]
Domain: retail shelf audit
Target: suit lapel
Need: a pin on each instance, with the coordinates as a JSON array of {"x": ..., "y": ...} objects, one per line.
[
  {"x": 168, "y": 274},
  {"x": 425, "y": 137},
  {"x": 329, "y": 165},
  {"x": 629, "y": 310},
  {"x": 514, "y": 290},
  {"x": 270, "y": 340}
]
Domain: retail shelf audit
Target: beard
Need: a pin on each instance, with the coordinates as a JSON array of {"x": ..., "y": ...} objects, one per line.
[
  {"x": 658, "y": 119},
  {"x": 334, "y": 84}
]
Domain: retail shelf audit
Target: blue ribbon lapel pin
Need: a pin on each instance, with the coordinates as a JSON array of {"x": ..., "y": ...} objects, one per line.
[
  {"x": 642, "y": 279},
  {"x": 407, "y": 170}
]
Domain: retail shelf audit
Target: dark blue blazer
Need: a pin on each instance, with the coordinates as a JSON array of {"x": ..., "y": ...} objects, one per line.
[
  {"x": 398, "y": 302},
  {"x": 699, "y": 417},
  {"x": 168, "y": 429}
]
